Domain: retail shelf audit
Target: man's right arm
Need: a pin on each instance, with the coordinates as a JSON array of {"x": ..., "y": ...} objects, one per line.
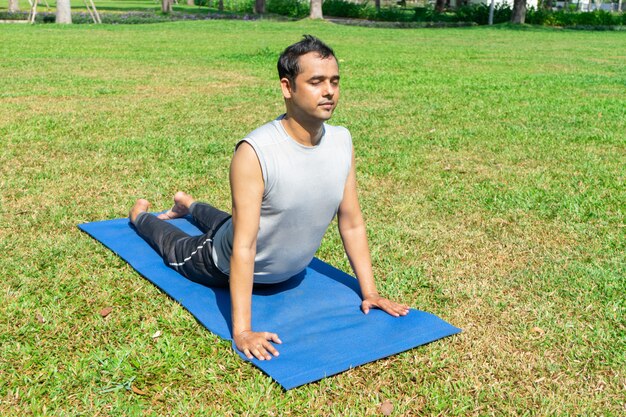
[{"x": 246, "y": 183}]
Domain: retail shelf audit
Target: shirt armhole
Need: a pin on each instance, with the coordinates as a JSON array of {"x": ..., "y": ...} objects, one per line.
[{"x": 259, "y": 159}]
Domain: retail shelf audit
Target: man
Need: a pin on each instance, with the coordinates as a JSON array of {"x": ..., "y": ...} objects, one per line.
[{"x": 288, "y": 179}]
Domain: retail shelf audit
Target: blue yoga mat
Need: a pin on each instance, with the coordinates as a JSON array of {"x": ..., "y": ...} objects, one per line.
[{"x": 316, "y": 313}]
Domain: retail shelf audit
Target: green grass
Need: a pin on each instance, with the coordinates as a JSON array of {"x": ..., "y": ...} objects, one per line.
[{"x": 491, "y": 169}]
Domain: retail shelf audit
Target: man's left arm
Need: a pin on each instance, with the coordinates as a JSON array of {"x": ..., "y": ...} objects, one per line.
[{"x": 354, "y": 237}]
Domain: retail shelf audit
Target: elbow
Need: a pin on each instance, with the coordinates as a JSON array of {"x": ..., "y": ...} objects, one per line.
[
  {"x": 244, "y": 251},
  {"x": 346, "y": 228}
]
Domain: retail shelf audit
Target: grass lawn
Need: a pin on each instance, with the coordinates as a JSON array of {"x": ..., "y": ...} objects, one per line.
[{"x": 491, "y": 164}]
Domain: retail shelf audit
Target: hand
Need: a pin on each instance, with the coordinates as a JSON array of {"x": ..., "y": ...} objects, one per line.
[
  {"x": 388, "y": 306},
  {"x": 257, "y": 344}
]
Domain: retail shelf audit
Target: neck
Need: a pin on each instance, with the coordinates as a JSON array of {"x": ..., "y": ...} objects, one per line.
[{"x": 307, "y": 134}]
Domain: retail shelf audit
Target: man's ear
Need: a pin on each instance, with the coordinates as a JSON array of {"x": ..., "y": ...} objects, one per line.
[{"x": 286, "y": 87}]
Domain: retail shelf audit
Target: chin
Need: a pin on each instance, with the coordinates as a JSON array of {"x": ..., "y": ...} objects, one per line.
[{"x": 327, "y": 116}]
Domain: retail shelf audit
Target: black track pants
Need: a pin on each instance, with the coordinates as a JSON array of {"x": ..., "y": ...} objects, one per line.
[{"x": 188, "y": 255}]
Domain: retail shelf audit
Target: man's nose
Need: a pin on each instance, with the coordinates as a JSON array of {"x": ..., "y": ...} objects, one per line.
[{"x": 329, "y": 89}]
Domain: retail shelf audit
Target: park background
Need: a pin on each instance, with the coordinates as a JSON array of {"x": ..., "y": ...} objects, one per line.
[
  {"x": 580, "y": 14},
  {"x": 491, "y": 172}
]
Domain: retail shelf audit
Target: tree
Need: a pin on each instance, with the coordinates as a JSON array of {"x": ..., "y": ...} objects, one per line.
[
  {"x": 439, "y": 5},
  {"x": 518, "y": 15},
  {"x": 191, "y": 3},
  {"x": 64, "y": 12},
  {"x": 14, "y": 6},
  {"x": 259, "y": 6},
  {"x": 166, "y": 6},
  {"x": 316, "y": 9},
  {"x": 492, "y": 7}
]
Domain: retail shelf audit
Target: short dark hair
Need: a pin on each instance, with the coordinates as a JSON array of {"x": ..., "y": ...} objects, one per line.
[{"x": 288, "y": 62}]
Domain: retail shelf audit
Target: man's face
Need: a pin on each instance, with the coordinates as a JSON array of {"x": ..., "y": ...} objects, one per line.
[{"x": 316, "y": 91}]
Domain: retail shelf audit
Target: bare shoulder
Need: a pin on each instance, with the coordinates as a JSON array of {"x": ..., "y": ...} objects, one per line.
[
  {"x": 244, "y": 152},
  {"x": 245, "y": 169},
  {"x": 245, "y": 159}
]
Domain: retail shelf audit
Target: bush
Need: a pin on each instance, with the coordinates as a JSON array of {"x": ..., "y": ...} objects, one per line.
[
  {"x": 476, "y": 13},
  {"x": 291, "y": 8},
  {"x": 127, "y": 18},
  {"x": 479, "y": 13},
  {"x": 473, "y": 13},
  {"x": 568, "y": 18},
  {"x": 424, "y": 14},
  {"x": 390, "y": 14},
  {"x": 340, "y": 8},
  {"x": 243, "y": 6}
]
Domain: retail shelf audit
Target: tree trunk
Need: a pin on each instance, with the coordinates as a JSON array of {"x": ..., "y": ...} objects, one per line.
[
  {"x": 259, "y": 6},
  {"x": 518, "y": 16},
  {"x": 439, "y": 5},
  {"x": 191, "y": 3},
  {"x": 64, "y": 12},
  {"x": 377, "y": 4},
  {"x": 491, "y": 10},
  {"x": 220, "y": 5},
  {"x": 14, "y": 6},
  {"x": 316, "y": 9},
  {"x": 166, "y": 6}
]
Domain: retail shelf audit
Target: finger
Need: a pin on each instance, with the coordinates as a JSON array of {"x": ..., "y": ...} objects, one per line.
[
  {"x": 260, "y": 353},
  {"x": 390, "y": 308},
  {"x": 247, "y": 353},
  {"x": 399, "y": 310},
  {"x": 264, "y": 348},
  {"x": 391, "y": 312},
  {"x": 403, "y": 311},
  {"x": 406, "y": 309},
  {"x": 273, "y": 337},
  {"x": 269, "y": 347}
]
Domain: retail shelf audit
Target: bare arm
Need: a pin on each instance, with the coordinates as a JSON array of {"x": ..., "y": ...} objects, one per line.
[
  {"x": 246, "y": 182},
  {"x": 354, "y": 237}
]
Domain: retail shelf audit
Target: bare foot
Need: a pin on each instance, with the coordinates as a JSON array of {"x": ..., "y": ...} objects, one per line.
[
  {"x": 182, "y": 202},
  {"x": 140, "y": 206}
]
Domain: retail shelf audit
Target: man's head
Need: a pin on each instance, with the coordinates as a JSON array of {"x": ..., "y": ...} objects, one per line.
[
  {"x": 309, "y": 78},
  {"x": 289, "y": 61}
]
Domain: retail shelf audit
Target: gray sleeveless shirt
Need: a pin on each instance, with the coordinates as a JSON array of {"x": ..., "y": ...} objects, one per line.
[{"x": 303, "y": 189}]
